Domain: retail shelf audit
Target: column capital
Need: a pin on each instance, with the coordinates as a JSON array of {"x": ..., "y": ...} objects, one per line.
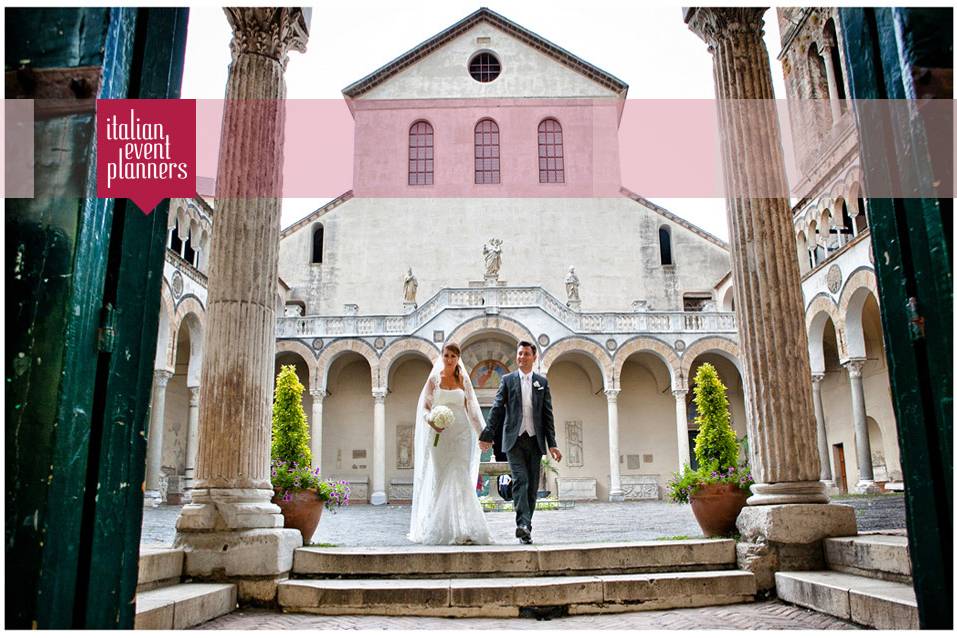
[
  {"x": 612, "y": 395},
  {"x": 817, "y": 377},
  {"x": 267, "y": 31},
  {"x": 855, "y": 367},
  {"x": 379, "y": 394},
  {"x": 193, "y": 396},
  {"x": 720, "y": 24},
  {"x": 317, "y": 394},
  {"x": 162, "y": 377},
  {"x": 680, "y": 393}
]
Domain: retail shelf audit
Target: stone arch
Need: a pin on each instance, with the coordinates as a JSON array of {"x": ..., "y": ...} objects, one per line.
[
  {"x": 727, "y": 300},
  {"x": 342, "y": 346},
  {"x": 405, "y": 346},
  {"x": 821, "y": 308},
  {"x": 723, "y": 346},
  {"x": 304, "y": 351},
  {"x": 583, "y": 346},
  {"x": 164, "y": 344},
  {"x": 648, "y": 344},
  {"x": 501, "y": 325},
  {"x": 859, "y": 285},
  {"x": 190, "y": 306}
]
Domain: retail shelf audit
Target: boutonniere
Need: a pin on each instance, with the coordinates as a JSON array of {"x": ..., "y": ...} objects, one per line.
[{"x": 537, "y": 385}]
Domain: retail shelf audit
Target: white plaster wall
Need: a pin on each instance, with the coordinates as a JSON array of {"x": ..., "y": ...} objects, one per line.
[
  {"x": 526, "y": 72},
  {"x": 646, "y": 422},
  {"x": 176, "y": 417},
  {"x": 347, "y": 420},
  {"x": 407, "y": 382},
  {"x": 612, "y": 242}
]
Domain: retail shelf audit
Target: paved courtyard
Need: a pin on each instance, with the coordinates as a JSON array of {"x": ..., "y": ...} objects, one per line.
[
  {"x": 366, "y": 525},
  {"x": 763, "y": 616}
]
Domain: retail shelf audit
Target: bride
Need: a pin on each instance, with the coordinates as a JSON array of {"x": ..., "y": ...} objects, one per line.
[{"x": 445, "y": 507}]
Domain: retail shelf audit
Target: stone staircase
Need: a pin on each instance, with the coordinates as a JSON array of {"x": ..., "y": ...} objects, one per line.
[
  {"x": 515, "y": 580},
  {"x": 164, "y": 602},
  {"x": 868, "y": 582}
]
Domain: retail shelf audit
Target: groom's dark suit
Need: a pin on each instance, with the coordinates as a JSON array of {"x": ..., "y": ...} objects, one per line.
[{"x": 524, "y": 452}]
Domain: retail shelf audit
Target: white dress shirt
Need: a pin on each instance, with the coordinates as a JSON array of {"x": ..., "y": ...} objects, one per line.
[{"x": 528, "y": 422}]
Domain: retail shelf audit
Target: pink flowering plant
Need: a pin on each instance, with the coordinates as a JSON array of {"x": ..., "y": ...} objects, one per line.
[
  {"x": 716, "y": 446},
  {"x": 292, "y": 468}
]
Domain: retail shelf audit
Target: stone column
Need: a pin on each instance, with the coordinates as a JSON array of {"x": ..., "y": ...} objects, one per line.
[
  {"x": 378, "y": 495},
  {"x": 154, "y": 447},
  {"x": 615, "y": 492},
  {"x": 232, "y": 530},
  {"x": 788, "y": 517},
  {"x": 832, "y": 89},
  {"x": 862, "y": 439},
  {"x": 315, "y": 434},
  {"x": 192, "y": 436},
  {"x": 823, "y": 450},
  {"x": 681, "y": 425}
]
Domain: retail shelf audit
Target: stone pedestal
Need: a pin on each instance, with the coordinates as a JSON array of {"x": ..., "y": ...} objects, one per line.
[
  {"x": 615, "y": 493},
  {"x": 232, "y": 530},
  {"x": 789, "y": 537},
  {"x": 154, "y": 447}
]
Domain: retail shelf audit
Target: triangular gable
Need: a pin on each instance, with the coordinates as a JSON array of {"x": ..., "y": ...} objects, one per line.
[
  {"x": 667, "y": 214},
  {"x": 530, "y": 38},
  {"x": 316, "y": 214}
]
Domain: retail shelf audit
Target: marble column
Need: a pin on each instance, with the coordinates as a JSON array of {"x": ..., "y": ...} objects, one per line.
[
  {"x": 231, "y": 529},
  {"x": 615, "y": 492},
  {"x": 315, "y": 430},
  {"x": 378, "y": 495},
  {"x": 782, "y": 434},
  {"x": 681, "y": 426},
  {"x": 823, "y": 449},
  {"x": 154, "y": 447},
  {"x": 192, "y": 436},
  {"x": 832, "y": 88},
  {"x": 862, "y": 439},
  {"x": 788, "y": 516}
]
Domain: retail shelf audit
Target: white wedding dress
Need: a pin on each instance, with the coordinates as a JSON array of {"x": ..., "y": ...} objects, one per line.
[{"x": 445, "y": 507}]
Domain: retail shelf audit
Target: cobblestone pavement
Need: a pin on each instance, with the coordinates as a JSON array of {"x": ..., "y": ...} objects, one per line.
[
  {"x": 365, "y": 525},
  {"x": 764, "y": 616}
]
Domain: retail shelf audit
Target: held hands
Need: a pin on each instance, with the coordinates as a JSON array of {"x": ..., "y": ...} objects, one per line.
[
  {"x": 485, "y": 445},
  {"x": 555, "y": 453},
  {"x": 434, "y": 426}
]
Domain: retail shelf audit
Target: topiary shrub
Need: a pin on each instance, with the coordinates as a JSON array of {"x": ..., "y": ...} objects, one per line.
[
  {"x": 716, "y": 447},
  {"x": 290, "y": 432}
]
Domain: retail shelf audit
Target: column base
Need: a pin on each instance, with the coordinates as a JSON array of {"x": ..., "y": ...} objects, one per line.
[
  {"x": 791, "y": 492},
  {"x": 789, "y": 537},
  {"x": 152, "y": 498},
  {"x": 378, "y": 498},
  {"x": 616, "y": 496},
  {"x": 256, "y": 559},
  {"x": 229, "y": 509},
  {"x": 867, "y": 487}
]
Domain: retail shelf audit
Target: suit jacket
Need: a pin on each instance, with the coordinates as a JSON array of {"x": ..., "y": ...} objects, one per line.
[{"x": 505, "y": 418}]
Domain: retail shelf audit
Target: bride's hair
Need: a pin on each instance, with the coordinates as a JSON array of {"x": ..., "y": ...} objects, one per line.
[{"x": 454, "y": 349}]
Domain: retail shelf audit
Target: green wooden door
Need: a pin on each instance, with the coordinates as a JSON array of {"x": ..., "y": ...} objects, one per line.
[
  {"x": 83, "y": 282},
  {"x": 911, "y": 239}
]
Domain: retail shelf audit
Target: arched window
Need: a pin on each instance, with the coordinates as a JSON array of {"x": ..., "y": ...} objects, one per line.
[
  {"x": 821, "y": 110},
  {"x": 317, "y": 244},
  {"x": 861, "y": 218},
  {"x": 830, "y": 37},
  {"x": 487, "y": 167},
  {"x": 551, "y": 154},
  {"x": 664, "y": 242},
  {"x": 420, "y": 154}
]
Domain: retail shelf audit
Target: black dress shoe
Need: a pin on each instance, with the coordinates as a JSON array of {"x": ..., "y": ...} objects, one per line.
[{"x": 524, "y": 534}]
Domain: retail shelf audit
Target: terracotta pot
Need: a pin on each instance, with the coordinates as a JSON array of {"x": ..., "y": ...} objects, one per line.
[
  {"x": 717, "y": 507},
  {"x": 302, "y": 512}
]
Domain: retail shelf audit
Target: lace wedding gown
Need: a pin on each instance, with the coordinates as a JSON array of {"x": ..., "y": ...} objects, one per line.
[{"x": 454, "y": 515}]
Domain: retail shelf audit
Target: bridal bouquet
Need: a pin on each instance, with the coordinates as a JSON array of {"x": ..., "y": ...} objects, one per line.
[{"x": 441, "y": 417}]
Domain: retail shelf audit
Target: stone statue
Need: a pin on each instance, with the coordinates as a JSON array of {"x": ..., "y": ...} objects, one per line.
[
  {"x": 410, "y": 287},
  {"x": 571, "y": 285},
  {"x": 493, "y": 258}
]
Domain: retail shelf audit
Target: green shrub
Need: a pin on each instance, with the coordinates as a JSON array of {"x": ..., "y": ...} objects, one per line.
[{"x": 716, "y": 446}]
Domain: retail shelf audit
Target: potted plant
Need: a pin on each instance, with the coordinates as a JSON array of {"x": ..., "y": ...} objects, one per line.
[
  {"x": 720, "y": 486},
  {"x": 299, "y": 490},
  {"x": 547, "y": 468}
]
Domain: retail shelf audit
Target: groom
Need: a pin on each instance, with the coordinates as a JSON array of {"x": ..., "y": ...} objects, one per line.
[{"x": 524, "y": 405}]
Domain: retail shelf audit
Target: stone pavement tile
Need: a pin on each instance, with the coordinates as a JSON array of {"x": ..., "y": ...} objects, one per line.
[{"x": 763, "y": 616}]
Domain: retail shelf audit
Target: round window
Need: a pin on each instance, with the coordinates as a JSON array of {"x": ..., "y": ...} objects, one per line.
[{"x": 484, "y": 67}]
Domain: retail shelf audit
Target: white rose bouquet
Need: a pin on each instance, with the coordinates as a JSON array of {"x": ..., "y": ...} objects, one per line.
[{"x": 441, "y": 417}]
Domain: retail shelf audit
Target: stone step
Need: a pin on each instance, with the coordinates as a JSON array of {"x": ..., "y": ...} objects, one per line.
[
  {"x": 514, "y": 560},
  {"x": 183, "y": 606},
  {"x": 159, "y": 567},
  {"x": 866, "y": 601},
  {"x": 511, "y": 597},
  {"x": 879, "y": 556}
]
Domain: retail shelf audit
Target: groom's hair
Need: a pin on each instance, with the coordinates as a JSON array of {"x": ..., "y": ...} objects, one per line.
[{"x": 528, "y": 344}]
